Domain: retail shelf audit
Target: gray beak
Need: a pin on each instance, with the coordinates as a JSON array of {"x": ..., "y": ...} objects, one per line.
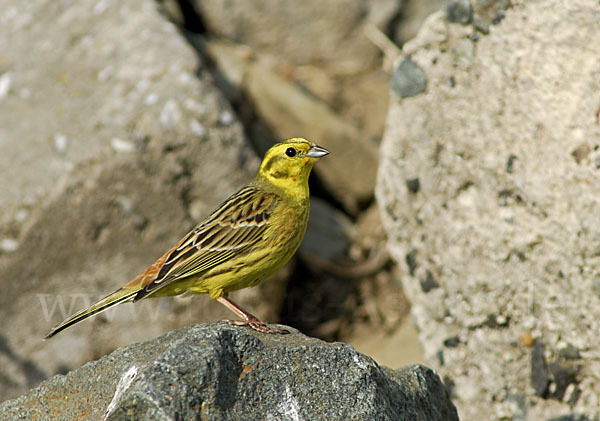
[{"x": 317, "y": 152}]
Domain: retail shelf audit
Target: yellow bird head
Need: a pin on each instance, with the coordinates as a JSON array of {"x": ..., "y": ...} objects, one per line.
[{"x": 287, "y": 164}]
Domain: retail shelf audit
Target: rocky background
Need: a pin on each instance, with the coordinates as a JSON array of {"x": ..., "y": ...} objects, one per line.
[{"x": 122, "y": 124}]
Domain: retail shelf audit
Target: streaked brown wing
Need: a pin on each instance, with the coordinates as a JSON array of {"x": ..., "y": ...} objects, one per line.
[{"x": 238, "y": 224}]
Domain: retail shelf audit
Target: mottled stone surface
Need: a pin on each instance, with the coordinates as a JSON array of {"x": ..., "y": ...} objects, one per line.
[
  {"x": 113, "y": 144},
  {"x": 217, "y": 372},
  {"x": 504, "y": 142}
]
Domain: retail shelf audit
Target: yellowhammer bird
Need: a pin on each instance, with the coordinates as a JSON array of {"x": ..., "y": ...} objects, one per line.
[{"x": 246, "y": 239}]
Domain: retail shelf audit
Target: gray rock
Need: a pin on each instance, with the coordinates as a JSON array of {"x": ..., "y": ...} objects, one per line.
[
  {"x": 514, "y": 241},
  {"x": 101, "y": 173},
  {"x": 452, "y": 342},
  {"x": 570, "y": 353},
  {"x": 563, "y": 376},
  {"x": 327, "y": 33},
  {"x": 518, "y": 400},
  {"x": 408, "y": 79},
  {"x": 489, "y": 12},
  {"x": 482, "y": 15},
  {"x": 413, "y": 185},
  {"x": 217, "y": 372},
  {"x": 459, "y": 11},
  {"x": 428, "y": 282}
]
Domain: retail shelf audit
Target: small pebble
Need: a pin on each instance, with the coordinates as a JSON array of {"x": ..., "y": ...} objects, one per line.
[
  {"x": 413, "y": 185},
  {"x": 428, "y": 282},
  {"x": 520, "y": 404},
  {"x": 440, "y": 356},
  {"x": 510, "y": 163},
  {"x": 570, "y": 353},
  {"x": 527, "y": 339},
  {"x": 194, "y": 106},
  {"x": 120, "y": 145},
  {"x": 581, "y": 152},
  {"x": 142, "y": 84},
  {"x": 452, "y": 342},
  {"x": 170, "y": 115},
  {"x": 226, "y": 118},
  {"x": 5, "y": 82},
  {"x": 139, "y": 222},
  {"x": 197, "y": 128},
  {"x": 100, "y": 7},
  {"x": 21, "y": 215},
  {"x": 496, "y": 321},
  {"x": 9, "y": 245},
  {"x": 105, "y": 74},
  {"x": 481, "y": 25},
  {"x": 125, "y": 203},
  {"x": 185, "y": 78},
  {"x": 562, "y": 377},
  {"x": 60, "y": 142},
  {"x": 408, "y": 79},
  {"x": 151, "y": 99},
  {"x": 487, "y": 13},
  {"x": 459, "y": 11},
  {"x": 411, "y": 261}
]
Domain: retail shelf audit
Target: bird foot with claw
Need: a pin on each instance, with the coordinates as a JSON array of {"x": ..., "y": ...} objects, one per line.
[{"x": 257, "y": 325}]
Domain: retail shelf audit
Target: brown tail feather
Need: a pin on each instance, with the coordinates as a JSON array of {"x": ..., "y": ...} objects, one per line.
[{"x": 119, "y": 296}]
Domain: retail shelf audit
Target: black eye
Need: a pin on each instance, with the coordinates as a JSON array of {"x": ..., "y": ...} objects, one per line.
[{"x": 291, "y": 152}]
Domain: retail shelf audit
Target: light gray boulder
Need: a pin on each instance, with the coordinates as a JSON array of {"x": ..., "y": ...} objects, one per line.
[
  {"x": 113, "y": 144},
  {"x": 489, "y": 186}
]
